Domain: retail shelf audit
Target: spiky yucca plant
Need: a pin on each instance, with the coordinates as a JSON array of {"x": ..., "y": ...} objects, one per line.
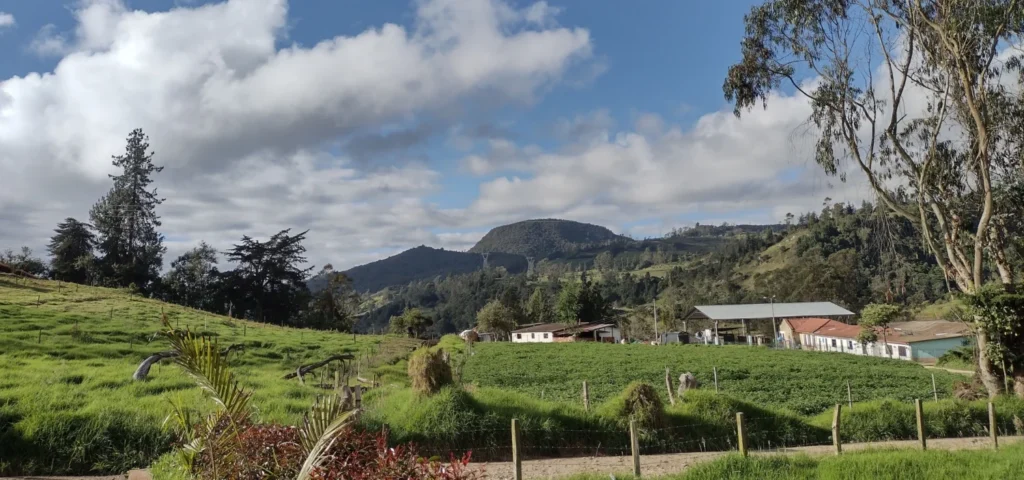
[{"x": 217, "y": 433}]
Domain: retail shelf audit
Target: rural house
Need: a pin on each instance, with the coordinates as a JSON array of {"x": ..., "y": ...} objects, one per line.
[
  {"x": 920, "y": 341},
  {"x": 743, "y": 314},
  {"x": 559, "y": 332}
]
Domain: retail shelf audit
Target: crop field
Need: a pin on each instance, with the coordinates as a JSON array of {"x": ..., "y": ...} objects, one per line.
[
  {"x": 804, "y": 382},
  {"x": 68, "y": 403}
]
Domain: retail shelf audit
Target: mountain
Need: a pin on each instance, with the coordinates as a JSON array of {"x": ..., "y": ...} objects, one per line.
[
  {"x": 423, "y": 263},
  {"x": 542, "y": 238}
]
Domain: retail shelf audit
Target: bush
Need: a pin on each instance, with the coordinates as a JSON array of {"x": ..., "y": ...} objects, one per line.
[
  {"x": 273, "y": 451},
  {"x": 640, "y": 402},
  {"x": 428, "y": 371}
]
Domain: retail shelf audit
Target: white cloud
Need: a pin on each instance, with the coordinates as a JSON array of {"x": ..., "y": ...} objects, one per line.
[
  {"x": 241, "y": 125},
  {"x": 6, "y": 20},
  {"x": 723, "y": 166}
]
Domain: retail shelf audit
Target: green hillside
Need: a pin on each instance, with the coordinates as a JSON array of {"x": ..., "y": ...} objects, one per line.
[
  {"x": 422, "y": 263},
  {"x": 541, "y": 238},
  {"x": 68, "y": 404}
]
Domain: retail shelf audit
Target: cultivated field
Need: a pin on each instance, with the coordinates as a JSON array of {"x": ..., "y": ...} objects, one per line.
[
  {"x": 67, "y": 400},
  {"x": 804, "y": 382}
]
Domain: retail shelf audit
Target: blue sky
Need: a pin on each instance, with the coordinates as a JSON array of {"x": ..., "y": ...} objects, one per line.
[{"x": 469, "y": 114}]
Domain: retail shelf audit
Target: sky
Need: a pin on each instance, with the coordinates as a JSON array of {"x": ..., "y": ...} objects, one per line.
[{"x": 381, "y": 125}]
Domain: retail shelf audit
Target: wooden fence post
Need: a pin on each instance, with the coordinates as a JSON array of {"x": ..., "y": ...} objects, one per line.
[
  {"x": 668, "y": 387},
  {"x": 337, "y": 378},
  {"x": 586, "y": 396},
  {"x": 517, "y": 461},
  {"x": 849, "y": 394},
  {"x": 358, "y": 394},
  {"x": 920, "y": 423},
  {"x": 715, "y": 370},
  {"x": 40, "y": 336},
  {"x": 935, "y": 392},
  {"x": 993, "y": 427},
  {"x": 634, "y": 446},
  {"x": 741, "y": 434},
  {"x": 836, "y": 419}
]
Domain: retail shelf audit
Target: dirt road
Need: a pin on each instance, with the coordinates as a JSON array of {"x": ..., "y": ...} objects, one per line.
[
  {"x": 649, "y": 464},
  {"x": 675, "y": 463}
]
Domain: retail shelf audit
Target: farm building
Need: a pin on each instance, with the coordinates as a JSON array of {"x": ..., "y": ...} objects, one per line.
[
  {"x": 559, "y": 332},
  {"x": 921, "y": 341},
  {"x": 763, "y": 311}
]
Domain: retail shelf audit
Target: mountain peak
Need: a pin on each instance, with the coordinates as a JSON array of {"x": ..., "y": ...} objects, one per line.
[{"x": 542, "y": 237}]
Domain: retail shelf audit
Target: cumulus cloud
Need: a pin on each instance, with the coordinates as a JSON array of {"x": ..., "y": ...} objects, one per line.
[
  {"x": 242, "y": 125},
  {"x": 720, "y": 165},
  {"x": 6, "y": 20}
]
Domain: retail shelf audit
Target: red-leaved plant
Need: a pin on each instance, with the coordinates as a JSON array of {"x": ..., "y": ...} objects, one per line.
[{"x": 272, "y": 451}]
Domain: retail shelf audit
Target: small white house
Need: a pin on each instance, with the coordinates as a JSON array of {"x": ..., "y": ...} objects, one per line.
[
  {"x": 921, "y": 341},
  {"x": 558, "y": 332}
]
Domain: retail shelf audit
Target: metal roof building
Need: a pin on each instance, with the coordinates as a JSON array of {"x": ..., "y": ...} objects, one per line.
[{"x": 755, "y": 311}]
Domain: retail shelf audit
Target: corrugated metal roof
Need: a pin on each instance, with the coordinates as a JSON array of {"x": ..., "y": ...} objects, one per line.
[
  {"x": 923, "y": 331},
  {"x": 767, "y": 310}
]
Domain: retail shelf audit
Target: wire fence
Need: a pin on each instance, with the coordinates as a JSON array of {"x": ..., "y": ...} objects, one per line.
[{"x": 590, "y": 450}]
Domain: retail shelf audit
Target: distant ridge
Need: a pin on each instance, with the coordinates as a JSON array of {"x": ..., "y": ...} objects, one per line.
[
  {"x": 422, "y": 263},
  {"x": 542, "y": 238}
]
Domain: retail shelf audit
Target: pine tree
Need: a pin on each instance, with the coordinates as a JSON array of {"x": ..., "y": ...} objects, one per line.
[
  {"x": 126, "y": 220},
  {"x": 72, "y": 251}
]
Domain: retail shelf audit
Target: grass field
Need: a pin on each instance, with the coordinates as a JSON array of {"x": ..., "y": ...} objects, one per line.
[
  {"x": 67, "y": 400},
  {"x": 1007, "y": 463},
  {"x": 801, "y": 381}
]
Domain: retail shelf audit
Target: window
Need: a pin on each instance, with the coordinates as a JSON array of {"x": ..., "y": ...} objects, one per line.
[
  {"x": 849, "y": 344},
  {"x": 833, "y": 342},
  {"x": 903, "y": 351},
  {"x": 533, "y": 335},
  {"x": 545, "y": 335},
  {"x": 888, "y": 350},
  {"x": 519, "y": 336}
]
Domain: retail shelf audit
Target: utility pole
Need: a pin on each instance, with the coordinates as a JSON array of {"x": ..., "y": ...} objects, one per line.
[
  {"x": 775, "y": 328},
  {"x": 655, "y": 304}
]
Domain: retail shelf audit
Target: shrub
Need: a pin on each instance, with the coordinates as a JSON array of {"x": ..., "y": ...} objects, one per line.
[
  {"x": 428, "y": 371},
  {"x": 273, "y": 451},
  {"x": 640, "y": 402}
]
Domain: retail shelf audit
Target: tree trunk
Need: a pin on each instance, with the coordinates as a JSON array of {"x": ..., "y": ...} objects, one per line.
[{"x": 986, "y": 371}]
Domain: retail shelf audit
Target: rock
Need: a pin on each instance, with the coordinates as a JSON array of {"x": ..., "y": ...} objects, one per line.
[{"x": 686, "y": 382}]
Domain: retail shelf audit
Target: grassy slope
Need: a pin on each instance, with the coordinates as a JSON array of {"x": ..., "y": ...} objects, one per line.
[
  {"x": 67, "y": 401},
  {"x": 805, "y": 382},
  {"x": 868, "y": 465}
]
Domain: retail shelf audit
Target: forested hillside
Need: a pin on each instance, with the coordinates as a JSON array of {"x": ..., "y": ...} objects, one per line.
[
  {"x": 848, "y": 255},
  {"x": 424, "y": 263},
  {"x": 541, "y": 238}
]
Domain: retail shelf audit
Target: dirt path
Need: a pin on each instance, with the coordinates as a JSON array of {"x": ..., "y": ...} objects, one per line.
[
  {"x": 675, "y": 463},
  {"x": 649, "y": 464},
  {"x": 951, "y": 370}
]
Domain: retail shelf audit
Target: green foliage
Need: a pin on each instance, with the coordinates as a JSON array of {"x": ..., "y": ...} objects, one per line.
[
  {"x": 193, "y": 279},
  {"x": 421, "y": 264},
  {"x": 428, "y": 371},
  {"x": 71, "y": 250},
  {"x": 495, "y": 317},
  {"x": 958, "y": 358},
  {"x": 581, "y": 302},
  {"x": 69, "y": 406},
  {"x": 538, "y": 308},
  {"x": 126, "y": 220},
  {"x": 880, "y": 464},
  {"x": 641, "y": 403},
  {"x": 802, "y": 381},
  {"x": 541, "y": 238},
  {"x": 413, "y": 322},
  {"x": 335, "y": 306},
  {"x": 1000, "y": 312},
  {"x": 23, "y": 261},
  {"x": 269, "y": 279}
]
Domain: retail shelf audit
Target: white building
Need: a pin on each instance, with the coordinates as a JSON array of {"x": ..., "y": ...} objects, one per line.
[
  {"x": 561, "y": 333},
  {"x": 921, "y": 341}
]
